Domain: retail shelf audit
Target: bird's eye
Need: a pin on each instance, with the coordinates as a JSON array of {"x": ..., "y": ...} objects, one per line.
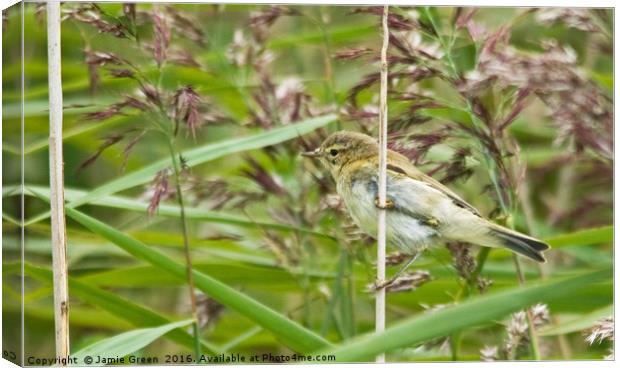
[{"x": 333, "y": 152}]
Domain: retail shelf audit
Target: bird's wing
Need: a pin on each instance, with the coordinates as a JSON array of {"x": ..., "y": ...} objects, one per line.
[{"x": 400, "y": 165}]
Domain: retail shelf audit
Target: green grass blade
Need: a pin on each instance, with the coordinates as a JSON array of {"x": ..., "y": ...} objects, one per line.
[
  {"x": 11, "y": 219},
  {"x": 124, "y": 344},
  {"x": 337, "y": 36},
  {"x": 203, "y": 154},
  {"x": 585, "y": 237},
  {"x": 264, "y": 278},
  {"x": 80, "y": 318},
  {"x": 72, "y": 132},
  {"x": 37, "y": 108},
  {"x": 580, "y": 323},
  {"x": 241, "y": 338},
  {"x": 134, "y": 313},
  {"x": 290, "y": 333},
  {"x": 10, "y": 190},
  {"x": 207, "y": 153},
  {"x": 604, "y": 234},
  {"x": 473, "y": 312},
  {"x": 167, "y": 210}
]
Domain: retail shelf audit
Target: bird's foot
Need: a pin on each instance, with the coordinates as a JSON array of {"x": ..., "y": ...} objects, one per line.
[
  {"x": 432, "y": 222},
  {"x": 378, "y": 285},
  {"x": 388, "y": 204},
  {"x": 400, "y": 281},
  {"x": 396, "y": 258},
  {"x": 406, "y": 282}
]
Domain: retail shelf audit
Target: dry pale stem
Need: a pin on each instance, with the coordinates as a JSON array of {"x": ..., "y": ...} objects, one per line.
[
  {"x": 381, "y": 234},
  {"x": 57, "y": 198}
]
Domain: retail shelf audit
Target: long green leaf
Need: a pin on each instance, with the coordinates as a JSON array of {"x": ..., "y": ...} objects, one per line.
[
  {"x": 167, "y": 210},
  {"x": 135, "y": 314},
  {"x": 262, "y": 277},
  {"x": 124, "y": 344},
  {"x": 80, "y": 317},
  {"x": 585, "y": 237},
  {"x": 471, "y": 313},
  {"x": 604, "y": 234},
  {"x": 336, "y": 35},
  {"x": 201, "y": 155},
  {"x": 290, "y": 333},
  {"x": 580, "y": 323},
  {"x": 207, "y": 153},
  {"x": 35, "y": 108},
  {"x": 41, "y": 144}
]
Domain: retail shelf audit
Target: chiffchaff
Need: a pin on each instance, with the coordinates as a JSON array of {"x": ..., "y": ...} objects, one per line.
[{"x": 421, "y": 212}]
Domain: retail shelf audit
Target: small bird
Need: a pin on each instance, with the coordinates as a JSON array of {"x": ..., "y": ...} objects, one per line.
[{"x": 421, "y": 211}]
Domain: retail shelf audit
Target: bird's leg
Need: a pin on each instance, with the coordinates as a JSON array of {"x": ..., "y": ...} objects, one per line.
[
  {"x": 426, "y": 220},
  {"x": 432, "y": 222},
  {"x": 388, "y": 204},
  {"x": 397, "y": 275}
]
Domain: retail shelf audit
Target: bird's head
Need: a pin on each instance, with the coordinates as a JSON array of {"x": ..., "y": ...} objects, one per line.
[{"x": 344, "y": 147}]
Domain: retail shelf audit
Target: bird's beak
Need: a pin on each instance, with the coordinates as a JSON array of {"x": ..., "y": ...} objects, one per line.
[{"x": 312, "y": 154}]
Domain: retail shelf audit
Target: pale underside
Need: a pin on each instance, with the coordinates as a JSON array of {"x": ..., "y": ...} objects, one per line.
[{"x": 421, "y": 215}]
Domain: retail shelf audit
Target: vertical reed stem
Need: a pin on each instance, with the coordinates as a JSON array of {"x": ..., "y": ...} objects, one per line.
[
  {"x": 186, "y": 250},
  {"x": 381, "y": 233},
  {"x": 524, "y": 195},
  {"x": 534, "y": 345},
  {"x": 57, "y": 197}
]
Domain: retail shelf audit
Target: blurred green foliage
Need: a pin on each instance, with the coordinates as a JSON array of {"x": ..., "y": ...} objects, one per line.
[{"x": 271, "y": 233}]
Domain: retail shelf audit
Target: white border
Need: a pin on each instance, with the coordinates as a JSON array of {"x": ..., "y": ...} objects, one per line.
[{"x": 486, "y": 3}]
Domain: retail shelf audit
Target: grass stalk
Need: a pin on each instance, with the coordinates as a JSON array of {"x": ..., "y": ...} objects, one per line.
[
  {"x": 492, "y": 170},
  {"x": 464, "y": 292},
  {"x": 530, "y": 318},
  {"x": 57, "y": 198},
  {"x": 381, "y": 228},
  {"x": 563, "y": 196},
  {"x": 188, "y": 259},
  {"x": 534, "y": 345},
  {"x": 347, "y": 305},
  {"x": 327, "y": 61},
  {"x": 336, "y": 297}
]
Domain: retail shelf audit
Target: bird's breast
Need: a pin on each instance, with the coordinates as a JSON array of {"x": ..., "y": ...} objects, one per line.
[
  {"x": 404, "y": 231},
  {"x": 359, "y": 196}
]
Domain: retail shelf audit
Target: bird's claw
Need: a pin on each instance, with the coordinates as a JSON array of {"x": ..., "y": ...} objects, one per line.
[
  {"x": 432, "y": 222},
  {"x": 395, "y": 258},
  {"x": 378, "y": 285},
  {"x": 388, "y": 204}
]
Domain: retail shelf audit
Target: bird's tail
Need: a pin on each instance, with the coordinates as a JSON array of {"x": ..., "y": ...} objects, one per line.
[{"x": 519, "y": 243}]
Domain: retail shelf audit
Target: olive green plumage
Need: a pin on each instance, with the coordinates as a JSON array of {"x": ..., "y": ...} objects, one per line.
[{"x": 421, "y": 212}]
